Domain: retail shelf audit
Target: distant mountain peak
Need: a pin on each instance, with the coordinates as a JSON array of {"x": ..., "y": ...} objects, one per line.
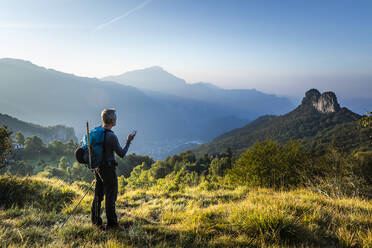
[
  {"x": 21, "y": 62},
  {"x": 324, "y": 103},
  {"x": 153, "y": 78},
  {"x": 205, "y": 84},
  {"x": 155, "y": 68}
]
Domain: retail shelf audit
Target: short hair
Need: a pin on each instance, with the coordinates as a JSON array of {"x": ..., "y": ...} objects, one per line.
[{"x": 108, "y": 116}]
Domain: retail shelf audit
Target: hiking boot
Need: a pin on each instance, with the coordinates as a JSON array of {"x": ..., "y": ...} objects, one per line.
[
  {"x": 115, "y": 227},
  {"x": 101, "y": 227}
]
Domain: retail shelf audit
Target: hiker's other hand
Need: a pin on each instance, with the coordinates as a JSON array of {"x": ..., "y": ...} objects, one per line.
[{"x": 130, "y": 137}]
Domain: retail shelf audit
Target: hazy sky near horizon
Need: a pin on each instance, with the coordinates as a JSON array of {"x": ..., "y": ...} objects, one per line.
[{"x": 277, "y": 46}]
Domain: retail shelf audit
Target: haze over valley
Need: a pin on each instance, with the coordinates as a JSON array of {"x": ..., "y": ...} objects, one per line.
[{"x": 175, "y": 114}]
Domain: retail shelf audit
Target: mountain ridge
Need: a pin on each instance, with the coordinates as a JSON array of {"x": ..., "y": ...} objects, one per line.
[
  {"x": 248, "y": 103},
  {"x": 311, "y": 126}
]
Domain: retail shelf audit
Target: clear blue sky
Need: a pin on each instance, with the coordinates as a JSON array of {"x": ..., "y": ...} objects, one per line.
[{"x": 276, "y": 46}]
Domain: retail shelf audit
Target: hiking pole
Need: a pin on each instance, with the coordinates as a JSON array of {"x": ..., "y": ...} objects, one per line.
[{"x": 93, "y": 182}]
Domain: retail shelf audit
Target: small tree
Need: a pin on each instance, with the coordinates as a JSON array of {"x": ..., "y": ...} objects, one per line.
[
  {"x": 63, "y": 163},
  {"x": 219, "y": 166},
  {"x": 160, "y": 169},
  {"x": 19, "y": 138},
  {"x": 70, "y": 147}
]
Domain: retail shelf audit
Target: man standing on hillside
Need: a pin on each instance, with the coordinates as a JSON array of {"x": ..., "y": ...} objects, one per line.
[{"x": 106, "y": 179}]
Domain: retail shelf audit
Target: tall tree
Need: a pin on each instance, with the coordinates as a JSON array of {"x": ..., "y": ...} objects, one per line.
[
  {"x": 34, "y": 145},
  {"x": 70, "y": 147},
  {"x": 56, "y": 147},
  {"x": 367, "y": 120},
  {"x": 5, "y": 143}
]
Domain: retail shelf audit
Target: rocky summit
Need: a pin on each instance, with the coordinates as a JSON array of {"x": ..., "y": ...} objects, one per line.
[{"x": 324, "y": 103}]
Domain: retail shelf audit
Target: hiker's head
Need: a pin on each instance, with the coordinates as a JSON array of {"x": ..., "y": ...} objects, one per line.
[{"x": 108, "y": 117}]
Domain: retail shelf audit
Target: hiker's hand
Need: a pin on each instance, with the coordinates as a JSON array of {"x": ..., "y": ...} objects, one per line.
[{"x": 130, "y": 137}]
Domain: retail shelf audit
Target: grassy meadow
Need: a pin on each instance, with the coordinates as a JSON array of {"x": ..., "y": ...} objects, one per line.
[{"x": 34, "y": 208}]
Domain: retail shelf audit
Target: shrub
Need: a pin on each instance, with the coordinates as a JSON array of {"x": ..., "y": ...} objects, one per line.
[
  {"x": 21, "y": 168},
  {"x": 140, "y": 177},
  {"x": 53, "y": 172},
  {"x": 269, "y": 164},
  {"x": 337, "y": 174},
  {"x": 122, "y": 182},
  {"x": 33, "y": 191},
  {"x": 127, "y": 164}
]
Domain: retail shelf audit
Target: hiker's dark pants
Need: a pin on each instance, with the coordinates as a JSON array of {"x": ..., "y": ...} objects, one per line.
[{"x": 109, "y": 188}]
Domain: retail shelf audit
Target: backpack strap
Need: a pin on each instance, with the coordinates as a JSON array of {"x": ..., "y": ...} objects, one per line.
[{"x": 104, "y": 148}]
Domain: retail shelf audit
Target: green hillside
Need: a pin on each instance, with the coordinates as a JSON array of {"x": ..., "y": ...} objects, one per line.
[
  {"x": 48, "y": 134},
  {"x": 315, "y": 128}
]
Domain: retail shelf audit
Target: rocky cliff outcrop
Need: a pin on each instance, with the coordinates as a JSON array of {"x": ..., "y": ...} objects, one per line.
[{"x": 324, "y": 103}]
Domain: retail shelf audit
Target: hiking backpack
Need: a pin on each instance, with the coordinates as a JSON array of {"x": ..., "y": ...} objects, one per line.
[{"x": 97, "y": 137}]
